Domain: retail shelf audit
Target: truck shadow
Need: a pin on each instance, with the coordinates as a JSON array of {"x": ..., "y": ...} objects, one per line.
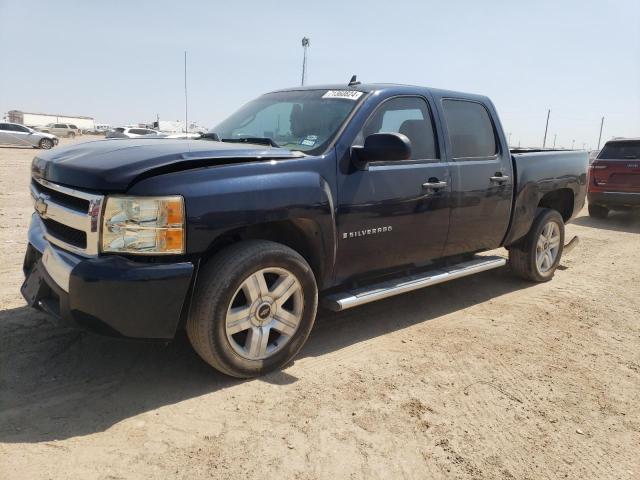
[
  {"x": 57, "y": 382},
  {"x": 616, "y": 221}
]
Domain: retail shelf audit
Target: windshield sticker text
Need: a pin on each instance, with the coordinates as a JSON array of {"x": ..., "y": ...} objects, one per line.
[{"x": 346, "y": 94}]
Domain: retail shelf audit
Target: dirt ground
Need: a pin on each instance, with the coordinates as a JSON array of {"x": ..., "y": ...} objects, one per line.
[{"x": 487, "y": 377}]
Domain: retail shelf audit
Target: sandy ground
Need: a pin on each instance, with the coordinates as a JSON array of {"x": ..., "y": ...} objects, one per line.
[{"x": 488, "y": 377}]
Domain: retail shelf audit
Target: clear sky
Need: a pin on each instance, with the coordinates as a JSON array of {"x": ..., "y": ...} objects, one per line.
[{"x": 122, "y": 62}]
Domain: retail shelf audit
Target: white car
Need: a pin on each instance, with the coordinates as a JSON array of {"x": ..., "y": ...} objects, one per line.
[
  {"x": 22, "y": 136},
  {"x": 126, "y": 132}
]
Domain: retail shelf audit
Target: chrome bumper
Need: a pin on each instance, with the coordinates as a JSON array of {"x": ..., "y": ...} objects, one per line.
[{"x": 57, "y": 263}]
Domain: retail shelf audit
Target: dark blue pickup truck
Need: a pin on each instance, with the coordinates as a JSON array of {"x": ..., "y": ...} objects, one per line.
[{"x": 339, "y": 195}]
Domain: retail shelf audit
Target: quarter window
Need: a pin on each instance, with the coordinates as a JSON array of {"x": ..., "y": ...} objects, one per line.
[
  {"x": 406, "y": 115},
  {"x": 470, "y": 129}
]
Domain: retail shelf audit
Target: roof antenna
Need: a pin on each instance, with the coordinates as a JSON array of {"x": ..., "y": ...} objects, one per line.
[{"x": 353, "y": 82}]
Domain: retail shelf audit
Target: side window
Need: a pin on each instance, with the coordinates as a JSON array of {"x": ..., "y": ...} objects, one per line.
[
  {"x": 470, "y": 129},
  {"x": 59, "y": 125},
  {"x": 409, "y": 116},
  {"x": 3, "y": 126},
  {"x": 7, "y": 127},
  {"x": 20, "y": 128}
]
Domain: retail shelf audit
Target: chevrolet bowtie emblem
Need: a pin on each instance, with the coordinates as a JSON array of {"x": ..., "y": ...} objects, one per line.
[{"x": 41, "y": 204}]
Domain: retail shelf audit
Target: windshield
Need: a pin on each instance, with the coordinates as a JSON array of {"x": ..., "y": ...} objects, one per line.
[
  {"x": 303, "y": 120},
  {"x": 621, "y": 151}
]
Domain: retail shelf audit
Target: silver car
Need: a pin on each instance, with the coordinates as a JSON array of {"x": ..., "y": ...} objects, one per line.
[{"x": 16, "y": 134}]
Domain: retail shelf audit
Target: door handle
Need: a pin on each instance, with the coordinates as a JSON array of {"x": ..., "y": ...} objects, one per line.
[
  {"x": 499, "y": 178},
  {"x": 434, "y": 185}
]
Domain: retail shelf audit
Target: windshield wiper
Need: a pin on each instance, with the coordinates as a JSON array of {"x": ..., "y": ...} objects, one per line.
[{"x": 256, "y": 140}]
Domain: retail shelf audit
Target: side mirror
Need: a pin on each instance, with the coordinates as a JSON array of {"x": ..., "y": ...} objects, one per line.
[{"x": 383, "y": 147}]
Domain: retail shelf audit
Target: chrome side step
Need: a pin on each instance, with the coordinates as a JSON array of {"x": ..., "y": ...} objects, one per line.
[
  {"x": 571, "y": 245},
  {"x": 343, "y": 300}
]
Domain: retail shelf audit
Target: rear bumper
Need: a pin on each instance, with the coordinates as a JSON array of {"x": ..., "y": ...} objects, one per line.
[
  {"x": 614, "y": 199},
  {"x": 110, "y": 294}
]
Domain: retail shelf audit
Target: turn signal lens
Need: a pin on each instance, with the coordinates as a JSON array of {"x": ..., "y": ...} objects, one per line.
[{"x": 144, "y": 225}]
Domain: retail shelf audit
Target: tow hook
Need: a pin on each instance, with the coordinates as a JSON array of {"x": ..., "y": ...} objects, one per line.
[{"x": 571, "y": 245}]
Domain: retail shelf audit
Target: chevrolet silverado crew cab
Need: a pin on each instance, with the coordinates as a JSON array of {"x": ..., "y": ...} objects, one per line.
[
  {"x": 614, "y": 181},
  {"x": 338, "y": 195}
]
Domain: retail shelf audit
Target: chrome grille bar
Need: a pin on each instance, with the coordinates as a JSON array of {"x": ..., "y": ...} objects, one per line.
[{"x": 84, "y": 220}]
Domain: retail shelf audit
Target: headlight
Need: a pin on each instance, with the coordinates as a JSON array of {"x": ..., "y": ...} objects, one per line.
[{"x": 143, "y": 225}]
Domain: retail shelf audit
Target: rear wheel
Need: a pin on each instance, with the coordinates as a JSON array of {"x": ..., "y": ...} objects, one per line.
[
  {"x": 254, "y": 306},
  {"x": 598, "y": 211},
  {"x": 46, "y": 143},
  {"x": 538, "y": 254}
]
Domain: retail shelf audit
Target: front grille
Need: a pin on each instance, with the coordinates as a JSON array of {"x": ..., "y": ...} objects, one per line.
[
  {"x": 65, "y": 233},
  {"x": 71, "y": 218},
  {"x": 64, "y": 199}
]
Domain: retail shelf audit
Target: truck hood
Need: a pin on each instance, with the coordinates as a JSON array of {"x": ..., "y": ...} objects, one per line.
[{"x": 114, "y": 165}]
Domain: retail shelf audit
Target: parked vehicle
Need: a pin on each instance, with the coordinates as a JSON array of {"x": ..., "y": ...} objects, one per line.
[
  {"x": 126, "y": 132},
  {"x": 614, "y": 182},
  {"x": 66, "y": 130},
  {"x": 19, "y": 135},
  {"x": 338, "y": 194}
]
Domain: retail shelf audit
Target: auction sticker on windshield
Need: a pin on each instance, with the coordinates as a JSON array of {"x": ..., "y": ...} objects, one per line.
[{"x": 347, "y": 94}]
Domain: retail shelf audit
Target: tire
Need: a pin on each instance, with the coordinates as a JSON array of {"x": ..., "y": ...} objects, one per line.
[
  {"x": 525, "y": 256},
  {"x": 45, "y": 144},
  {"x": 598, "y": 211},
  {"x": 228, "y": 282},
  {"x": 71, "y": 135}
]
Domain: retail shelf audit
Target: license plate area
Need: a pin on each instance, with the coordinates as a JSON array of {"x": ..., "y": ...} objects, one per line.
[{"x": 34, "y": 287}]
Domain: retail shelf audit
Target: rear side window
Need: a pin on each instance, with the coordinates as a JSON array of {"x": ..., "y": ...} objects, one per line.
[
  {"x": 59, "y": 125},
  {"x": 620, "y": 151},
  {"x": 470, "y": 129}
]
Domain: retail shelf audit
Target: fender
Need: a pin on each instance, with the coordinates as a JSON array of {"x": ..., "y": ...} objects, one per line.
[
  {"x": 221, "y": 199},
  {"x": 538, "y": 174}
]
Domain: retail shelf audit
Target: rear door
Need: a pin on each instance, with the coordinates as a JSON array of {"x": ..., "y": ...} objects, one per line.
[
  {"x": 14, "y": 134},
  {"x": 481, "y": 177},
  {"x": 4, "y": 134},
  {"x": 386, "y": 218},
  {"x": 617, "y": 167}
]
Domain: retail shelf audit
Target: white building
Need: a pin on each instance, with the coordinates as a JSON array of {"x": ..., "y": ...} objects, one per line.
[{"x": 42, "y": 119}]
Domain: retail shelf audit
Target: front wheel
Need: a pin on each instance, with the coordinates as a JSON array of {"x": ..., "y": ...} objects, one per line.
[
  {"x": 46, "y": 144},
  {"x": 71, "y": 135},
  {"x": 254, "y": 306},
  {"x": 538, "y": 254}
]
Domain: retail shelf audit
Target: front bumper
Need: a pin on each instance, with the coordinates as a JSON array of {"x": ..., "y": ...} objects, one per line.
[
  {"x": 109, "y": 294},
  {"x": 615, "y": 199}
]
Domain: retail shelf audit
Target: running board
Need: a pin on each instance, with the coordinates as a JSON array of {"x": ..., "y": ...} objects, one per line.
[{"x": 343, "y": 300}]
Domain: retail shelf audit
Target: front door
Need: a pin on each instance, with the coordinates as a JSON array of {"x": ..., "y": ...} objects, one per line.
[{"x": 388, "y": 215}]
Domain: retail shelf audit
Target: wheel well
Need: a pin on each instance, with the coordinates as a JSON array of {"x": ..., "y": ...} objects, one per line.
[
  {"x": 301, "y": 235},
  {"x": 560, "y": 200}
]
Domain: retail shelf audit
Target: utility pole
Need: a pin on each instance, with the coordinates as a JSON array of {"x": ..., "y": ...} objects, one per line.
[
  {"x": 555, "y": 135},
  {"x": 600, "y": 136},
  {"x": 544, "y": 141},
  {"x": 305, "y": 46},
  {"x": 509, "y": 140},
  {"x": 573, "y": 142},
  {"x": 186, "y": 105}
]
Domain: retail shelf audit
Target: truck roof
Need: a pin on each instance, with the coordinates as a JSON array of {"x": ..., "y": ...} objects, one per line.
[{"x": 396, "y": 87}]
